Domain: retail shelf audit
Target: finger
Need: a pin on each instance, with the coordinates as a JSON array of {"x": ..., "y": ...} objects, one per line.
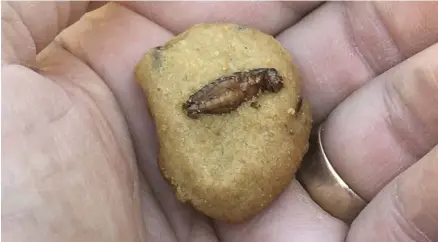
[
  {"x": 386, "y": 126},
  {"x": 270, "y": 17},
  {"x": 28, "y": 27},
  {"x": 341, "y": 46},
  {"x": 291, "y": 217},
  {"x": 111, "y": 40},
  {"x": 405, "y": 210}
]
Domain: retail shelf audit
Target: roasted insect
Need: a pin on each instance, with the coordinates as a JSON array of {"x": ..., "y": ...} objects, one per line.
[{"x": 227, "y": 93}]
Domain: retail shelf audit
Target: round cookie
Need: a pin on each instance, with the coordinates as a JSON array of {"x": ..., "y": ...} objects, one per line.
[{"x": 230, "y": 165}]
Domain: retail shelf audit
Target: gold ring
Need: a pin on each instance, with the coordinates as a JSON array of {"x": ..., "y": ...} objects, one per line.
[{"x": 326, "y": 187}]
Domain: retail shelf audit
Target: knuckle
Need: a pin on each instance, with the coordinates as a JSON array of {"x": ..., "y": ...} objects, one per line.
[{"x": 410, "y": 97}]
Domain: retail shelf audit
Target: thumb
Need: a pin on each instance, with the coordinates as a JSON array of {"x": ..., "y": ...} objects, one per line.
[{"x": 28, "y": 27}]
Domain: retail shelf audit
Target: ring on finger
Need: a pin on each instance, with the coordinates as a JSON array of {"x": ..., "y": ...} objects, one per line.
[{"x": 326, "y": 187}]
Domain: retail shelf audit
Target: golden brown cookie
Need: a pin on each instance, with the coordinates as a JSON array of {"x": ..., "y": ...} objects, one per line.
[{"x": 235, "y": 151}]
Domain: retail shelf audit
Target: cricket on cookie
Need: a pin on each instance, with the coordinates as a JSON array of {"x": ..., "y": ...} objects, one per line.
[
  {"x": 231, "y": 121},
  {"x": 228, "y": 92}
]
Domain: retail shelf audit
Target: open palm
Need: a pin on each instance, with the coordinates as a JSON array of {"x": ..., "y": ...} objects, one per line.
[{"x": 79, "y": 147}]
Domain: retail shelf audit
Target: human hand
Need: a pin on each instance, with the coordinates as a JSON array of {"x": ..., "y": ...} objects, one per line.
[{"x": 79, "y": 151}]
